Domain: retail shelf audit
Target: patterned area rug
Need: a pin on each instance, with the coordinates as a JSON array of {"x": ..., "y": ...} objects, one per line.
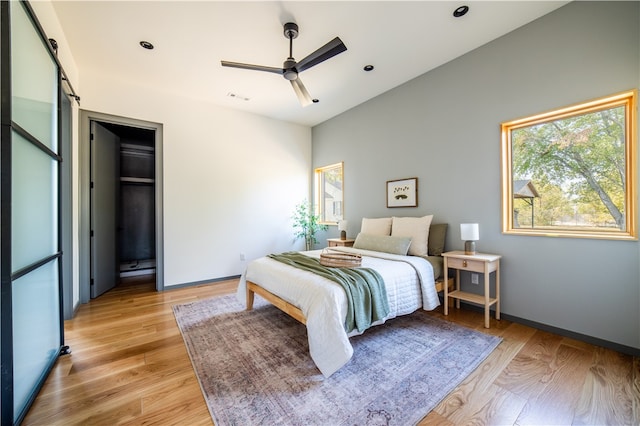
[{"x": 254, "y": 367}]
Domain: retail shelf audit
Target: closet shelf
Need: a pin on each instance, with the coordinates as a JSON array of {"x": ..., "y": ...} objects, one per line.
[{"x": 136, "y": 180}]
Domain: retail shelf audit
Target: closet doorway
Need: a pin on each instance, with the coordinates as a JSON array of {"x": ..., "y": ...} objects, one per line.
[{"x": 123, "y": 194}]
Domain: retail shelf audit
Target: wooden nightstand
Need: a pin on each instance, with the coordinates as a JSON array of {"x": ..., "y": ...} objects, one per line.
[
  {"x": 337, "y": 242},
  {"x": 480, "y": 262}
]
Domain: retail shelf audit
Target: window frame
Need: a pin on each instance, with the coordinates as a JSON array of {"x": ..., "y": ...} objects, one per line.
[
  {"x": 320, "y": 204},
  {"x": 626, "y": 99}
]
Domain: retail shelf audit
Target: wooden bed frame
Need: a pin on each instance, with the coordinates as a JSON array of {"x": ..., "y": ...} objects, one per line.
[{"x": 294, "y": 311}]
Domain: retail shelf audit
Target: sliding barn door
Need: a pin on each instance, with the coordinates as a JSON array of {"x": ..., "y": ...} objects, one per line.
[{"x": 30, "y": 256}]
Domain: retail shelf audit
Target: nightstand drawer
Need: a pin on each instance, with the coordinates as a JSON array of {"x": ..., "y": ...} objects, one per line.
[
  {"x": 465, "y": 264},
  {"x": 337, "y": 242}
]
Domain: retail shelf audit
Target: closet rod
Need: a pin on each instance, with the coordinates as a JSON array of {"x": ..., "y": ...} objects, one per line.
[
  {"x": 137, "y": 153},
  {"x": 136, "y": 147}
]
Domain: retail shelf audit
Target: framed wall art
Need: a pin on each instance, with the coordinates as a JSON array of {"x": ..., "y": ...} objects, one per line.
[{"x": 402, "y": 193}]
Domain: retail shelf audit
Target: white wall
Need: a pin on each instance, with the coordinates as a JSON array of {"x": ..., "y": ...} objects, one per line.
[
  {"x": 444, "y": 128},
  {"x": 231, "y": 179}
]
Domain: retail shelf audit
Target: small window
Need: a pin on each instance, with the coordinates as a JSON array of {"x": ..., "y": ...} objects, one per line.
[
  {"x": 329, "y": 193},
  {"x": 572, "y": 172}
]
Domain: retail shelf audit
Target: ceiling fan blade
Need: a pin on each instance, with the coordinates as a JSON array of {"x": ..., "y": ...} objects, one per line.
[
  {"x": 252, "y": 67},
  {"x": 327, "y": 51},
  {"x": 303, "y": 96}
]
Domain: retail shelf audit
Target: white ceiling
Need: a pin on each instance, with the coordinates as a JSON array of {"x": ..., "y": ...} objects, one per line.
[{"x": 401, "y": 39}]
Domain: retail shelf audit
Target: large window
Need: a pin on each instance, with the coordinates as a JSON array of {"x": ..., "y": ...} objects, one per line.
[
  {"x": 572, "y": 172},
  {"x": 330, "y": 193}
]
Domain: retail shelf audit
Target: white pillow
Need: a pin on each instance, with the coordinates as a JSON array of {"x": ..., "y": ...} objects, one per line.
[
  {"x": 415, "y": 227},
  {"x": 379, "y": 226}
]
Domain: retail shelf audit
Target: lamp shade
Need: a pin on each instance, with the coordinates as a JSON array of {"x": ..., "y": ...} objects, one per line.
[{"x": 469, "y": 232}]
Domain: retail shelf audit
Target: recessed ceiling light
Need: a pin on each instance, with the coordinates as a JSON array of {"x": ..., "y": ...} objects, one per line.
[
  {"x": 315, "y": 101},
  {"x": 237, "y": 96},
  {"x": 146, "y": 45},
  {"x": 368, "y": 68},
  {"x": 461, "y": 11}
]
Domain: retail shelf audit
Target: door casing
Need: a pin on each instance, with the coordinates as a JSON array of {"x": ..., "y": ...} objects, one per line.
[{"x": 84, "y": 196}]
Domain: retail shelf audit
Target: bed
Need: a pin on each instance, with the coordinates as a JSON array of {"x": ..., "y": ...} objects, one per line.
[{"x": 412, "y": 280}]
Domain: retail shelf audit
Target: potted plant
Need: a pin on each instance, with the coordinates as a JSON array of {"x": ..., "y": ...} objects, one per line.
[{"x": 306, "y": 224}]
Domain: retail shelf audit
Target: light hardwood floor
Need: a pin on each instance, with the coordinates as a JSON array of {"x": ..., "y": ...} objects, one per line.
[{"x": 129, "y": 366}]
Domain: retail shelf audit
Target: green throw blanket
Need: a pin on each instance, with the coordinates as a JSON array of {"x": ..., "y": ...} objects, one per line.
[{"x": 366, "y": 294}]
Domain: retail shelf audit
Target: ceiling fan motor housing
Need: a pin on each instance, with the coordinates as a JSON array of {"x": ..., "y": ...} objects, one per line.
[
  {"x": 290, "y": 30},
  {"x": 290, "y": 72}
]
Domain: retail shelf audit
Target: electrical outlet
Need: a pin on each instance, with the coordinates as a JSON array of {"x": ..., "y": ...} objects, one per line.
[
  {"x": 242, "y": 257},
  {"x": 474, "y": 279}
]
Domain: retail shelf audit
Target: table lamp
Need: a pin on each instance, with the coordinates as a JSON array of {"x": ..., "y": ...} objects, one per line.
[
  {"x": 342, "y": 227},
  {"x": 469, "y": 233}
]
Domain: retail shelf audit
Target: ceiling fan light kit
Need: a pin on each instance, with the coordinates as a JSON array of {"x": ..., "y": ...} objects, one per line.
[{"x": 290, "y": 68}]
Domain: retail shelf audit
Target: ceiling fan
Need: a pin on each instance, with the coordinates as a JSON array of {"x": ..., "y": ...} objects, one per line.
[{"x": 290, "y": 69}]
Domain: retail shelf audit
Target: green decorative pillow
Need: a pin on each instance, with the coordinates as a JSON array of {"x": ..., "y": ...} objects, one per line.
[
  {"x": 383, "y": 243},
  {"x": 437, "y": 237}
]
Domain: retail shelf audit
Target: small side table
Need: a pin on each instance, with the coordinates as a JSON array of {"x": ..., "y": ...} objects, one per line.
[
  {"x": 480, "y": 262},
  {"x": 337, "y": 242}
]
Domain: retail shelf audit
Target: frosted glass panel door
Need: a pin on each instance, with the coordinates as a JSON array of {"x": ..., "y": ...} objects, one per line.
[
  {"x": 35, "y": 204},
  {"x": 34, "y": 82},
  {"x": 30, "y": 186},
  {"x": 36, "y": 342}
]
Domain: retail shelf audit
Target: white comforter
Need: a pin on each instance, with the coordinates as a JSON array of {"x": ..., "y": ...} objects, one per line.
[{"x": 408, "y": 279}]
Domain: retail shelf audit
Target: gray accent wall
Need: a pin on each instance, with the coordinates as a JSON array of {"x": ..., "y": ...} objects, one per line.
[{"x": 444, "y": 128}]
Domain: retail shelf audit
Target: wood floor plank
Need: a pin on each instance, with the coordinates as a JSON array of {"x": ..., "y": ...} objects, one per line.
[
  {"x": 542, "y": 346},
  {"x": 103, "y": 413},
  {"x": 112, "y": 390},
  {"x": 610, "y": 378},
  {"x": 191, "y": 412},
  {"x": 435, "y": 419},
  {"x": 130, "y": 350},
  {"x": 476, "y": 385},
  {"x": 554, "y": 400},
  {"x": 82, "y": 377},
  {"x": 495, "y": 406},
  {"x": 529, "y": 372},
  {"x": 635, "y": 391},
  {"x": 129, "y": 366},
  {"x": 161, "y": 398}
]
